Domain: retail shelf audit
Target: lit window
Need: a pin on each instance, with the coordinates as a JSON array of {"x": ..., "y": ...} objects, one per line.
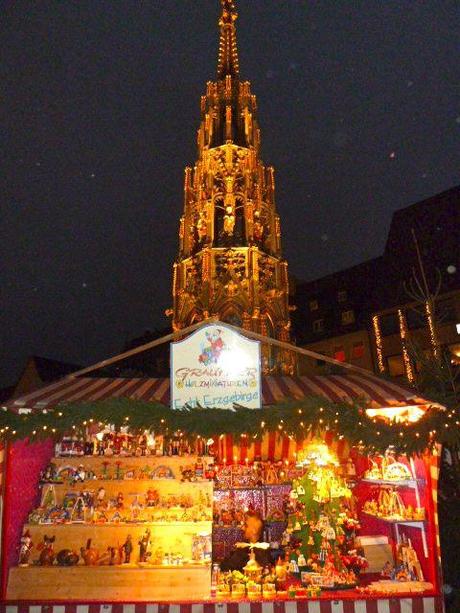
[
  {"x": 342, "y": 295},
  {"x": 313, "y": 305},
  {"x": 396, "y": 365},
  {"x": 358, "y": 350},
  {"x": 348, "y": 317},
  {"x": 318, "y": 325},
  {"x": 339, "y": 354}
]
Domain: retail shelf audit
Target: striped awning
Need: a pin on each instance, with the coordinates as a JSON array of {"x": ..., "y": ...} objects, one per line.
[
  {"x": 378, "y": 392},
  {"x": 334, "y": 602}
]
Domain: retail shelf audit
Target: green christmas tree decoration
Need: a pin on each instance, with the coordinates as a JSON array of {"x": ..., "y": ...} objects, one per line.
[{"x": 317, "y": 501}]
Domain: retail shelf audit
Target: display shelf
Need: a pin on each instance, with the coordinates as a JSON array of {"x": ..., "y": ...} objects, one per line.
[
  {"x": 413, "y": 483},
  {"x": 267, "y": 522},
  {"x": 416, "y": 523},
  {"x": 112, "y": 583},
  {"x": 117, "y": 524},
  {"x": 250, "y": 487},
  {"x": 174, "y": 537},
  {"x": 78, "y": 485},
  {"x": 133, "y": 490},
  {"x": 101, "y": 464},
  {"x": 420, "y": 524}
]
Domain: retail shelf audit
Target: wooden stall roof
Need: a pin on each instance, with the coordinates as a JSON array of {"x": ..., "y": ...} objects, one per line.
[{"x": 350, "y": 386}]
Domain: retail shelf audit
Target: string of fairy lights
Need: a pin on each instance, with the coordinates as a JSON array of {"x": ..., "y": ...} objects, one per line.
[
  {"x": 404, "y": 336},
  {"x": 298, "y": 420},
  {"x": 378, "y": 343},
  {"x": 432, "y": 328},
  {"x": 405, "y": 353}
]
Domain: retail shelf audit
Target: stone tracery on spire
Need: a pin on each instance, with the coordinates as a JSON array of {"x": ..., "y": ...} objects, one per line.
[{"x": 228, "y": 52}]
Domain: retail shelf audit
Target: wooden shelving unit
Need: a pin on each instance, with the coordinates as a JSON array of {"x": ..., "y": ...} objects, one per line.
[{"x": 133, "y": 581}]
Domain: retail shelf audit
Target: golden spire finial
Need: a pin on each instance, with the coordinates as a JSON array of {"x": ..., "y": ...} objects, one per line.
[{"x": 228, "y": 52}]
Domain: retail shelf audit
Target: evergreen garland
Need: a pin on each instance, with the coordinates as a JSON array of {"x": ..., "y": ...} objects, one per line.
[{"x": 294, "y": 418}]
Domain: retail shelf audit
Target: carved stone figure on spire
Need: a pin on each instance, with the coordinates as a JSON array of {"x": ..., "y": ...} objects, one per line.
[
  {"x": 202, "y": 226},
  {"x": 229, "y": 219},
  {"x": 258, "y": 230}
]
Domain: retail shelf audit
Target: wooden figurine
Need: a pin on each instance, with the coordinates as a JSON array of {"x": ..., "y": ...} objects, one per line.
[
  {"x": 144, "y": 545},
  {"x": 115, "y": 555},
  {"x": 47, "y": 551},
  {"x": 127, "y": 548},
  {"x": 120, "y": 500},
  {"x": 100, "y": 497},
  {"x": 25, "y": 549},
  {"x": 90, "y": 555},
  {"x": 67, "y": 557}
]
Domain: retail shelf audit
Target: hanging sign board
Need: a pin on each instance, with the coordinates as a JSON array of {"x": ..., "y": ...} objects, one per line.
[{"x": 215, "y": 367}]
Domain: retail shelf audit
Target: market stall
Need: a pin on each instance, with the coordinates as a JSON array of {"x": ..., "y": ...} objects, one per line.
[{"x": 323, "y": 500}]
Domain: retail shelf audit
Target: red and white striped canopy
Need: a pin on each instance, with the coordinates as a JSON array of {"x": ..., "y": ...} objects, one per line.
[{"x": 378, "y": 392}]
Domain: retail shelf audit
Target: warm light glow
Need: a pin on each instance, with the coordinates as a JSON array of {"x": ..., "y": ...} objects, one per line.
[
  {"x": 235, "y": 361},
  {"x": 398, "y": 414},
  {"x": 317, "y": 454}
]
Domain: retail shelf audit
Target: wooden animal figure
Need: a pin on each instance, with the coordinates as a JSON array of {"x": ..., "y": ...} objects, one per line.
[
  {"x": 90, "y": 555},
  {"x": 67, "y": 557},
  {"x": 47, "y": 555},
  {"x": 115, "y": 556}
]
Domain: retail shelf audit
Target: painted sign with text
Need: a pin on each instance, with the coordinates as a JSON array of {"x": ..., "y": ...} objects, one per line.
[{"x": 215, "y": 367}]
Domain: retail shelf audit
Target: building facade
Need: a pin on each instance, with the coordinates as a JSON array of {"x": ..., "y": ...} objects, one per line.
[
  {"x": 375, "y": 313},
  {"x": 230, "y": 264}
]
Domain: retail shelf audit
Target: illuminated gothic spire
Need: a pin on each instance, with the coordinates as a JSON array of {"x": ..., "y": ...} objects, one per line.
[
  {"x": 230, "y": 263},
  {"x": 228, "y": 52}
]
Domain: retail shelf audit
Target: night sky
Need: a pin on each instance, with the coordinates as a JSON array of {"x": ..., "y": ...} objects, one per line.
[{"x": 360, "y": 115}]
